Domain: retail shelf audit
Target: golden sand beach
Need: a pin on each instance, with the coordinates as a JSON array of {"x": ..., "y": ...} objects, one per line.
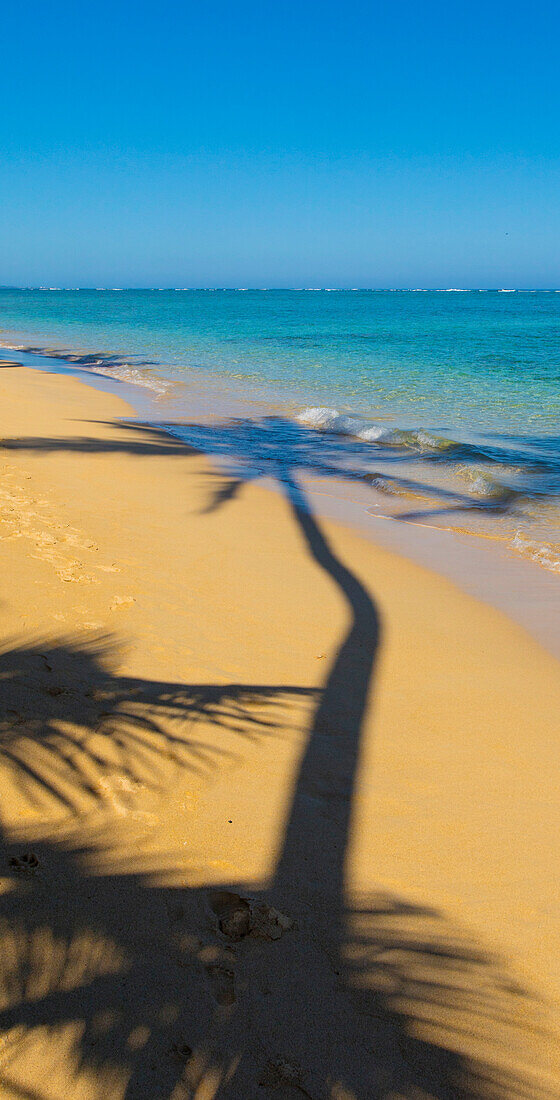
[{"x": 279, "y": 809}]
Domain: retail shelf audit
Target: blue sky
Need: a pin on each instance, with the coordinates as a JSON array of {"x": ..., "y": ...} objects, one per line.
[{"x": 280, "y": 144}]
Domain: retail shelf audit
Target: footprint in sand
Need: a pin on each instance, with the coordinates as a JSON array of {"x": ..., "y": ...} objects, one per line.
[
  {"x": 25, "y": 863},
  {"x": 218, "y": 965},
  {"x": 222, "y": 981},
  {"x": 25, "y": 516},
  {"x": 285, "y": 1080},
  {"x": 182, "y": 1051},
  {"x": 241, "y": 917},
  {"x": 75, "y": 539},
  {"x": 71, "y": 572},
  {"x": 233, "y": 913},
  {"x": 124, "y": 603}
]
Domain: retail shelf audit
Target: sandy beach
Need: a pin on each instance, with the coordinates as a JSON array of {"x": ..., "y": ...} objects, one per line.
[{"x": 279, "y": 808}]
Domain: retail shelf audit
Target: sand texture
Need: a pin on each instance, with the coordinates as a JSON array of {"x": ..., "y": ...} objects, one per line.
[{"x": 279, "y": 809}]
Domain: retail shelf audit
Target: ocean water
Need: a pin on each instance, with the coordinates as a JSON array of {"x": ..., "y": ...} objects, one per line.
[{"x": 445, "y": 405}]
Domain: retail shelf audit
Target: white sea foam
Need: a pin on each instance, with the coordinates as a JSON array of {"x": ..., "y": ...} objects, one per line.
[
  {"x": 373, "y": 433},
  {"x": 331, "y": 420},
  {"x": 325, "y": 419},
  {"x": 318, "y": 417},
  {"x": 543, "y": 554},
  {"x": 132, "y": 376}
]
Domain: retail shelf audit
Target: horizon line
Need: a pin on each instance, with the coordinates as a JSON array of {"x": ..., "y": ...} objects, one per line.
[{"x": 289, "y": 289}]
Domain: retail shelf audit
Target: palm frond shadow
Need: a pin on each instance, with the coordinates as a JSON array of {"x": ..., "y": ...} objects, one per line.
[
  {"x": 465, "y": 1028},
  {"x": 68, "y": 724}
]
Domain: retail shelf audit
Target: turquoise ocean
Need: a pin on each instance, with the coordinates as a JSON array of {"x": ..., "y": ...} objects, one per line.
[{"x": 447, "y": 403}]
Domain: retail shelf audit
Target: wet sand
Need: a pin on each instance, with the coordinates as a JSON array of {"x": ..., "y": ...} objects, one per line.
[{"x": 279, "y": 808}]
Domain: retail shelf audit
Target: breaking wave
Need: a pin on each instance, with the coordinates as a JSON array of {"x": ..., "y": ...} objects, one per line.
[{"x": 331, "y": 420}]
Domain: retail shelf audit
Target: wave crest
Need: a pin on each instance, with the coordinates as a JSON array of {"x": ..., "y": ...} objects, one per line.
[{"x": 331, "y": 420}]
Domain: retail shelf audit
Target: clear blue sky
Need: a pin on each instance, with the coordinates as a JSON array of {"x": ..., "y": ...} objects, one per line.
[{"x": 280, "y": 143}]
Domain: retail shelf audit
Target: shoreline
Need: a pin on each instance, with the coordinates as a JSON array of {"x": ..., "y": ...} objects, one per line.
[
  {"x": 483, "y": 565},
  {"x": 223, "y": 715}
]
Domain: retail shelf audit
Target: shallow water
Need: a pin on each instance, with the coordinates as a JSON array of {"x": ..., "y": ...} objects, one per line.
[{"x": 446, "y": 404}]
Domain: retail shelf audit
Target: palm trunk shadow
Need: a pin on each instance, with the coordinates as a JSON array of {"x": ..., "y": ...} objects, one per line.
[{"x": 326, "y": 777}]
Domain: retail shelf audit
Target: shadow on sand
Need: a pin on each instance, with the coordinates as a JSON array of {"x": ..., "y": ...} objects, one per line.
[
  {"x": 251, "y": 449},
  {"x": 285, "y": 989}
]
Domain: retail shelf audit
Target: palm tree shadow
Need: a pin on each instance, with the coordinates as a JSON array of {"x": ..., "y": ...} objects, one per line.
[{"x": 286, "y": 989}]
